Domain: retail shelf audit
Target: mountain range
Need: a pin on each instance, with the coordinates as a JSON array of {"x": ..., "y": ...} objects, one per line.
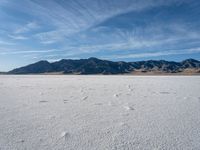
[{"x": 98, "y": 66}]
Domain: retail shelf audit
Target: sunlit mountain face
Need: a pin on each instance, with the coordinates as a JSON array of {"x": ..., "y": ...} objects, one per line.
[{"x": 127, "y": 30}]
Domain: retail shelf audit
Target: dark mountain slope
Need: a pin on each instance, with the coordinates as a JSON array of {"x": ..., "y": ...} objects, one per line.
[
  {"x": 39, "y": 67},
  {"x": 97, "y": 66},
  {"x": 190, "y": 63},
  {"x": 161, "y": 65},
  {"x": 91, "y": 66}
]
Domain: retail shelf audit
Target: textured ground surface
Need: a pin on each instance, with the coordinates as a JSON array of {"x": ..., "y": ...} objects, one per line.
[{"x": 99, "y": 113}]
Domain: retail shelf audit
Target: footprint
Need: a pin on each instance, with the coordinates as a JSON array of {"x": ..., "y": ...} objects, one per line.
[
  {"x": 129, "y": 88},
  {"x": 123, "y": 125},
  {"x": 41, "y": 140},
  {"x": 65, "y": 101},
  {"x": 41, "y": 93},
  {"x": 84, "y": 98},
  {"x": 21, "y": 141},
  {"x": 129, "y": 108},
  {"x": 116, "y": 95},
  {"x": 64, "y": 135}
]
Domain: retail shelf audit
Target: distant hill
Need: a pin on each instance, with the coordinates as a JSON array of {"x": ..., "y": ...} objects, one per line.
[
  {"x": 98, "y": 66},
  {"x": 2, "y": 73}
]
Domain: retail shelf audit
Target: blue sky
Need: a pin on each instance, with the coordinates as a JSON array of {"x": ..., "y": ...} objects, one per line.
[{"x": 128, "y": 30}]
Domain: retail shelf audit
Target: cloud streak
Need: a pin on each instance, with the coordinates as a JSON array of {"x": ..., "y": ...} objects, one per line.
[
  {"x": 27, "y": 27},
  {"x": 156, "y": 54},
  {"x": 27, "y": 52},
  {"x": 125, "y": 29},
  {"x": 75, "y": 16}
]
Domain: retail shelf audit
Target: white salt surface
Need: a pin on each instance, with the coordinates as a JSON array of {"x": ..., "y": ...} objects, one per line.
[{"x": 99, "y": 113}]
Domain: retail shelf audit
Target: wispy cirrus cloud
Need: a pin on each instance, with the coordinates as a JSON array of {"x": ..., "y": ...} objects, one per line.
[
  {"x": 3, "y": 42},
  {"x": 50, "y": 37},
  {"x": 18, "y": 37},
  {"x": 156, "y": 54},
  {"x": 13, "y": 52},
  {"x": 27, "y": 27},
  {"x": 78, "y": 29},
  {"x": 75, "y": 16},
  {"x": 22, "y": 32}
]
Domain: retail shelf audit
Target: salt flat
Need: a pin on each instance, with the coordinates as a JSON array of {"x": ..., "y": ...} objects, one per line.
[{"x": 99, "y": 112}]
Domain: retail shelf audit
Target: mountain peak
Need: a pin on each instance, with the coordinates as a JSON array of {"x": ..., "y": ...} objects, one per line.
[
  {"x": 190, "y": 60},
  {"x": 93, "y": 58},
  {"x": 43, "y": 61}
]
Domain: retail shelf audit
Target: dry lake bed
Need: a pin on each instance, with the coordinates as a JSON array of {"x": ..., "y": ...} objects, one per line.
[{"x": 50, "y": 112}]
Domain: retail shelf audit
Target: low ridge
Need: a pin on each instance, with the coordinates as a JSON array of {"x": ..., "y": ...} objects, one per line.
[{"x": 98, "y": 66}]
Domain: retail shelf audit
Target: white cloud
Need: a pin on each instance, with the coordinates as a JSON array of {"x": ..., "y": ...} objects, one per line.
[
  {"x": 13, "y": 52},
  {"x": 18, "y": 37},
  {"x": 75, "y": 16},
  {"x": 63, "y": 19},
  {"x": 3, "y": 42},
  {"x": 50, "y": 37},
  {"x": 156, "y": 54},
  {"x": 26, "y": 28}
]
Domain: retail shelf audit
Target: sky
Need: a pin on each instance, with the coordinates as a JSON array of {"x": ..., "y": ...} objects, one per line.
[{"x": 117, "y": 30}]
